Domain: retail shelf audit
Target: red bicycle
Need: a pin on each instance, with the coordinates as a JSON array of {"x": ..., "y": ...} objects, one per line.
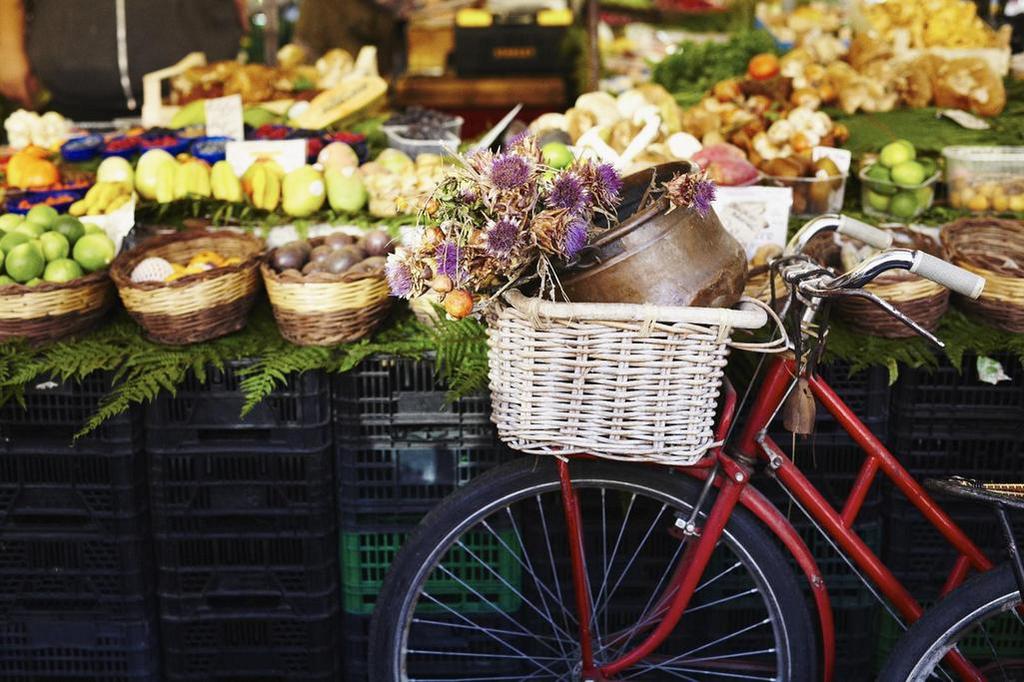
[{"x": 548, "y": 568}]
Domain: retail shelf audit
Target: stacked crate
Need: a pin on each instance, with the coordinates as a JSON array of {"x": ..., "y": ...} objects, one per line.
[
  {"x": 245, "y": 530},
  {"x": 831, "y": 460},
  {"x": 401, "y": 446},
  {"x": 77, "y": 598}
]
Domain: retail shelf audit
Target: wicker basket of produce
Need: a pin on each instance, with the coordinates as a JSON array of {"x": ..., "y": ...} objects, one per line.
[
  {"x": 328, "y": 290},
  {"x": 190, "y": 286},
  {"x": 53, "y": 276},
  {"x": 920, "y": 299},
  {"x": 994, "y": 249}
]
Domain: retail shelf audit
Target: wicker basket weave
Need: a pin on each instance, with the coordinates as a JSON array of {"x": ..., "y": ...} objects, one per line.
[
  {"x": 52, "y": 311},
  {"x": 994, "y": 249},
  {"x": 323, "y": 309},
  {"x": 196, "y": 307},
  {"x": 607, "y": 380}
]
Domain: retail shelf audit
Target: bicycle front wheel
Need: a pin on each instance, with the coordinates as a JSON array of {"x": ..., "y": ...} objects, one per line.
[
  {"x": 483, "y": 589},
  {"x": 980, "y": 619}
]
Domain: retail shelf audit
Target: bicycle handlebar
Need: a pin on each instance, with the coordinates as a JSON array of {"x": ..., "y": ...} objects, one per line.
[
  {"x": 948, "y": 275},
  {"x": 869, "y": 234}
]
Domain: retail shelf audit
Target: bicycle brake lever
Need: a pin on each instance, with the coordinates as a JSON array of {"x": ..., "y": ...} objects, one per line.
[{"x": 892, "y": 311}]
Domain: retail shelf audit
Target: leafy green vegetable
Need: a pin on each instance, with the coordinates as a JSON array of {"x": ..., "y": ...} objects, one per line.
[{"x": 695, "y": 67}]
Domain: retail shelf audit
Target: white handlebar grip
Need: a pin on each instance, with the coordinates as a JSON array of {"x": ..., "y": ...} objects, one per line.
[
  {"x": 948, "y": 275},
  {"x": 870, "y": 235}
]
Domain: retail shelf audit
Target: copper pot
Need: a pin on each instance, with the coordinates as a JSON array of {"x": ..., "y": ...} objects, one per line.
[{"x": 653, "y": 256}]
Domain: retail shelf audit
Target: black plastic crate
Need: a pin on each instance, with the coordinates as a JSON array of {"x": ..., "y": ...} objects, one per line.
[
  {"x": 256, "y": 647},
  {"x": 205, "y": 415},
  {"x": 54, "y": 410},
  {"x": 388, "y": 400},
  {"x": 72, "y": 491},
  {"x": 943, "y": 400},
  {"x": 244, "y": 491},
  {"x": 409, "y": 479},
  {"x": 49, "y": 648},
  {"x": 942, "y": 450},
  {"x": 355, "y": 643},
  {"x": 77, "y": 573},
  {"x": 922, "y": 558},
  {"x": 856, "y": 636}
]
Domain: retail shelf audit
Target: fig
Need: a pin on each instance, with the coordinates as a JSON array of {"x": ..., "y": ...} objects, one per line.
[
  {"x": 341, "y": 260},
  {"x": 338, "y": 240},
  {"x": 288, "y": 258},
  {"x": 320, "y": 254},
  {"x": 378, "y": 243}
]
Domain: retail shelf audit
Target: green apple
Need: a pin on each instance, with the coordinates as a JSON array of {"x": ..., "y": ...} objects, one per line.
[
  {"x": 904, "y": 205},
  {"x": 879, "y": 202},
  {"x": 895, "y": 153},
  {"x": 395, "y": 161},
  {"x": 881, "y": 174},
  {"x": 908, "y": 173}
]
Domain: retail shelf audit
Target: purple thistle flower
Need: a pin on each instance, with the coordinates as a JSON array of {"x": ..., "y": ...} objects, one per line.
[
  {"x": 518, "y": 138},
  {"x": 703, "y": 195},
  {"x": 399, "y": 278},
  {"x": 502, "y": 236},
  {"x": 609, "y": 183},
  {"x": 575, "y": 238},
  {"x": 448, "y": 256},
  {"x": 567, "y": 192},
  {"x": 509, "y": 171}
]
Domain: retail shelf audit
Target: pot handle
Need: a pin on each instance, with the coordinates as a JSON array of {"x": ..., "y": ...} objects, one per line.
[{"x": 630, "y": 223}]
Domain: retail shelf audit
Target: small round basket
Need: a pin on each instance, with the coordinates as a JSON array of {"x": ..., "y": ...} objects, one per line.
[
  {"x": 992, "y": 248},
  {"x": 620, "y": 381},
  {"x": 52, "y": 311},
  {"x": 918, "y": 298},
  {"x": 196, "y": 307},
  {"x": 321, "y": 309}
]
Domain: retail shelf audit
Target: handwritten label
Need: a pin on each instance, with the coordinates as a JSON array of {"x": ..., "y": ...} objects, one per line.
[
  {"x": 224, "y": 117},
  {"x": 289, "y": 154},
  {"x": 758, "y": 217}
]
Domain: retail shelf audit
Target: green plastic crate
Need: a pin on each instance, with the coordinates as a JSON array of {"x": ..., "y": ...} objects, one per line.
[{"x": 367, "y": 556}]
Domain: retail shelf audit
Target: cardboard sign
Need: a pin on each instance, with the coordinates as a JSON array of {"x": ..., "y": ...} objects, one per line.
[
  {"x": 757, "y": 217},
  {"x": 224, "y": 117},
  {"x": 289, "y": 154}
]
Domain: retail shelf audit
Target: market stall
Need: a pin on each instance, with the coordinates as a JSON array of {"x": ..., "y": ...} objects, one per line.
[{"x": 244, "y": 340}]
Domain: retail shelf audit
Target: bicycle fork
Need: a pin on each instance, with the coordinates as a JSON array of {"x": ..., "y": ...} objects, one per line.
[{"x": 674, "y": 600}]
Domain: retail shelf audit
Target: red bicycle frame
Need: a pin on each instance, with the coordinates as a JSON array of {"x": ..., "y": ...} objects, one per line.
[{"x": 734, "y": 475}]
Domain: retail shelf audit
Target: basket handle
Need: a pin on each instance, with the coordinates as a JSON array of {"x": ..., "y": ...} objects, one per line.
[
  {"x": 750, "y": 318},
  {"x": 777, "y": 345}
]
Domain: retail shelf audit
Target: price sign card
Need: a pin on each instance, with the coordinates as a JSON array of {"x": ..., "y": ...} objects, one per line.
[
  {"x": 758, "y": 217},
  {"x": 224, "y": 117},
  {"x": 289, "y": 154}
]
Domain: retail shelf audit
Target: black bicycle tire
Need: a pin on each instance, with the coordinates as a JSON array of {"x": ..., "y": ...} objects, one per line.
[
  {"x": 977, "y": 598},
  {"x": 499, "y": 483}
]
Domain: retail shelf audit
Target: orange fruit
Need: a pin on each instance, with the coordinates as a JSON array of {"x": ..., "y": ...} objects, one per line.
[{"x": 763, "y": 66}]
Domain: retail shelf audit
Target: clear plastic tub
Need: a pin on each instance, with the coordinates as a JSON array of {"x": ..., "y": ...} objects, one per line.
[
  {"x": 985, "y": 178},
  {"x": 886, "y": 199},
  {"x": 812, "y": 196},
  {"x": 396, "y": 140}
]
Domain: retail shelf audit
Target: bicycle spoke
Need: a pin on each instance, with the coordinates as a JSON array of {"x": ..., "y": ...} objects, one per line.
[
  {"x": 551, "y": 559},
  {"x": 632, "y": 559},
  {"x": 477, "y": 627},
  {"x": 709, "y": 659}
]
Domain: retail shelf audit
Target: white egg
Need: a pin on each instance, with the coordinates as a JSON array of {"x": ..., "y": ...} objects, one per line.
[{"x": 152, "y": 269}]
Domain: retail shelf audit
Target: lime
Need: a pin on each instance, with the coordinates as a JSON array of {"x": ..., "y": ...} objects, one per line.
[
  {"x": 41, "y": 214},
  {"x": 903, "y": 205},
  {"x": 23, "y": 263},
  {"x": 62, "y": 270},
  {"x": 12, "y": 239},
  {"x": 895, "y": 153},
  {"x": 38, "y": 247},
  {"x": 1, "y": 261},
  {"x": 9, "y": 221},
  {"x": 879, "y": 202},
  {"x": 908, "y": 174},
  {"x": 5, "y": 280},
  {"x": 94, "y": 252},
  {"x": 34, "y": 282},
  {"x": 55, "y": 246},
  {"x": 881, "y": 174},
  {"x": 30, "y": 229},
  {"x": 557, "y": 155},
  {"x": 93, "y": 229},
  {"x": 69, "y": 226}
]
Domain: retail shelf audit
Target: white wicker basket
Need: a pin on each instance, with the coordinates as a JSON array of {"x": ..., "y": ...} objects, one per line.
[{"x": 619, "y": 381}]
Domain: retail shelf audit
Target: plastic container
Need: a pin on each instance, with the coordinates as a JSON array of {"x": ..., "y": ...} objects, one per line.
[
  {"x": 257, "y": 647},
  {"x": 59, "y": 201},
  {"x": 449, "y": 144},
  {"x": 884, "y": 199},
  {"x": 203, "y": 416},
  {"x": 121, "y": 145},
  {"x": 984, "y": 179},
  {"x": 51, "y": 649},
  {"x": 80, "y": 149},
  {"x": 812, "y": 196},
  {"x": 210, "y": 149},
  {"x": 172, "y": 144}
]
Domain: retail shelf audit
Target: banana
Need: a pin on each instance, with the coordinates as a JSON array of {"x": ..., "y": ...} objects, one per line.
[
  {"x": 198, "y": 178},
  {"x": 224, "y": 183},
  {"x": 78, "y": 208},
  {"x": 107, "y": 194},
  {"x": 263, "y": 187},
  {"x": 119, "y": 201}
]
